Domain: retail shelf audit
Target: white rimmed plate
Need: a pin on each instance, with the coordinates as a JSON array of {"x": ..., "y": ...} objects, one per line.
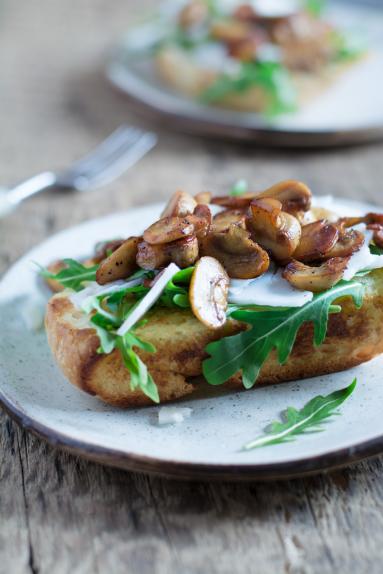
[
  {"x": 349, "y": 111},
  {"x": 33, "y": 390}
]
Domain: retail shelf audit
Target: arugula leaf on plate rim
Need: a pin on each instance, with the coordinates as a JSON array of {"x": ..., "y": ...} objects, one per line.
[{"x": 308, "y": 419}]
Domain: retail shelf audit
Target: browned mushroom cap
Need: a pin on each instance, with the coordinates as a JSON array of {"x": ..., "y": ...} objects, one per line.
[
  {"x": 104, "y": 249},
  {"x": 315, "y": 279},
  {"x": 275, "y": 230},
  {"x": 230, "y": 30},
  {"x": 180, "y": 204},
  {"x": 239, "y": 254},
  {"x": 378, "y": 233},
  {"x": 316, "y": 240},
  {"x": 208, "y": 292},
  {"x": 316, "y": 213},
  {"x": 120, "y": 264},
  {"x": 294, "y": 195},
  {"x": 183, "y": 252},
  {"x": 152, "y": 256},
  {"x": 223, "y": 220},
  {"x": 203, "y": 197},
  {"x": 195, "y": 12},
  {"x": 168, "y": 229},
  {"x": 235, "y": 201},
  {"x": 349, "y": 241},
  {"x": 201, "y": 219}
]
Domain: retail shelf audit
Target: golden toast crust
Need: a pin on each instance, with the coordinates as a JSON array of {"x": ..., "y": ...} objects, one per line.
[{"x": 353, "y": 337}]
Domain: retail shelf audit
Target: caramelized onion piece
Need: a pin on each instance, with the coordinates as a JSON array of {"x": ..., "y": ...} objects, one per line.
[
  {"x": 208, "y": 292},
  {"x": 239, "y": 254},
  {"x": 317, "y": 239},
  {"x": 203, "y": 197},
  {"x": 180, "y": 204},
  {"x": 223, "y": 220},
  {"x": 120, "y": 264},
  {"x": 315, "y": 279},
  {"x": 168, "y": 229},
  {"x": 275, "y": 230},
  {"x": 294, "y": 195},
  {"x": 349, "y": 241}
]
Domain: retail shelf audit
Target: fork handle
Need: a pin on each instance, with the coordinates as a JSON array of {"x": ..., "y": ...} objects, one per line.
[{"x": 10, "y": 198}]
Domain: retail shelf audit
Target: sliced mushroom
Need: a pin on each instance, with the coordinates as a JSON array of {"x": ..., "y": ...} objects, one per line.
[
  {"x": 201, "y": 219},
  {"x": 203, "y": 197},
  {"x": 195, "y": 12},
  {"x": 168, "y": 229},
  {"x": 235, "y": 201},
  {"x": 348, "y": 242},
  {"x": 183, "y": 252},
  {"x": 208, "y": 292},
  {"x": 223, "y": 220},
  {"x": 151, "y": 256},
  {"x": 378, "y": 233},
  {"x": 317, "y": 239},
  {"x": 316, "y": 213},
  {"x": 239, "y": 254},
  {"x": 294, "y": 195},
  {"x": 120, "y": 264},
  {"x": 275, "y": 230},
  {"x": 105, "y": 248},
  {"x": 229, "y": 30},
  {"x": 315, "y": 279},
  {"x": 180, "y": 204}
]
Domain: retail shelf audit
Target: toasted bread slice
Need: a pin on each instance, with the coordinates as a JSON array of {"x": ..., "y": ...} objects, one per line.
[
  {"x": 353, "y": 337},
  {"x": 179, "y": 71}
]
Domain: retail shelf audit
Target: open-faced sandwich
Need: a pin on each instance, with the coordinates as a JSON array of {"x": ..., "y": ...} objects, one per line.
[
  {"x": 238, "y": 290},
  {"x": 267, "y": 56}
]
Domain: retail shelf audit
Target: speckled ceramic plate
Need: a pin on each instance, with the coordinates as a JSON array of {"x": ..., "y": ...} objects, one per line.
[
  {"x": 207, "y": 445},
  {"x": 349, "y": 111}
]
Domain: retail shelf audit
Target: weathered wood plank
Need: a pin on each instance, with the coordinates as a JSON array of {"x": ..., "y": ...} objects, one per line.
[{"x": 60, "y": 514}]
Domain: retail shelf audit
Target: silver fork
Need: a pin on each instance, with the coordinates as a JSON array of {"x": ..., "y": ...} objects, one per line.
[{"x": 122, "y": 149}]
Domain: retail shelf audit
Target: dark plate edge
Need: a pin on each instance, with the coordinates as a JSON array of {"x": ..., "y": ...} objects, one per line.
[{"x": 191, "y": 471}]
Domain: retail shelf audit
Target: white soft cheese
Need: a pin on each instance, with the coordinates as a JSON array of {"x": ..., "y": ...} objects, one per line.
[
  {"x": 173, "y": 415},
  {"x": 363, "y": 259},
  {"x": 270, "y": 289},
  {"x": 82, "y": 298},
  {"x": 265, "y": 8},
  {"x": 150, "y": 298}
]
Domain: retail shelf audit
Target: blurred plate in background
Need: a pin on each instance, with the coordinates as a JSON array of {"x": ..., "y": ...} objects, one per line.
[{"x": 349, "y": 111}]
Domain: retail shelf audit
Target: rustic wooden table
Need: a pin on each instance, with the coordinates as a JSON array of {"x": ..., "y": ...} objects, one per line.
[{"x": 61, "y": 514}]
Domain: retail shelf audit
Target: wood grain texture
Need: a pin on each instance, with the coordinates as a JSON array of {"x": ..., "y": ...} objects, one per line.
[{"x": 61, "y": 514}]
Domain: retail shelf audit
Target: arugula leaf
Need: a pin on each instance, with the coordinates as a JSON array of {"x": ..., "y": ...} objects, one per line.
[
  {"x": 139, "y": 374},
  {"x": 308, "y": 419},
  {"x": 73, "y": 275},
  {"x": 240, "y": 187},
  {"x": 272, "y": 329},
  {"x": 375, "y": 250},
  {"x": 348, "y": 46},
  {"x": 273, "y": 77},
  {"x": 314, "y": 7}
]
